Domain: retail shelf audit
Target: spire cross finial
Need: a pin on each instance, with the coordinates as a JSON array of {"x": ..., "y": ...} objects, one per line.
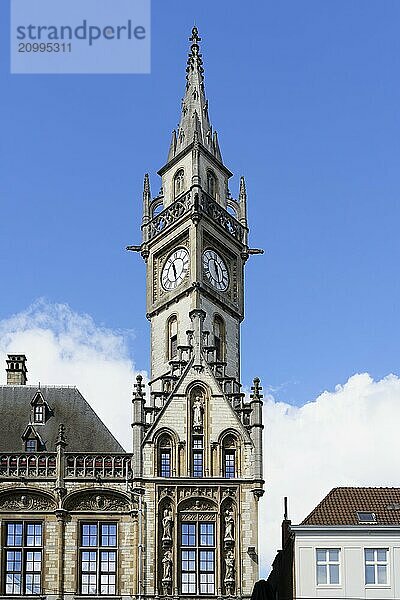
[
  {"x": 256, "y": 389},
  {"x": 195, "y": 36}
]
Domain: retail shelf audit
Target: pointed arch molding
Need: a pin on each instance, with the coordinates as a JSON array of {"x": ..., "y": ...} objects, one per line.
[
  {"x": 157, "y": 435},
  {"x": 235, "y": 433},
  {"x": 98, "y": 500},
  {"x": 21, "y": 500}
]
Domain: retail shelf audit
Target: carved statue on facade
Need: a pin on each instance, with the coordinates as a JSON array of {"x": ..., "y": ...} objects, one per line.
[
  {"x": 229, "y": 525},
  {"x": 167, "y": 566},
  {"x": 229, "y": 572},
  {"x": 198, "y": 410},
  {"x": 167, "y": 523}
]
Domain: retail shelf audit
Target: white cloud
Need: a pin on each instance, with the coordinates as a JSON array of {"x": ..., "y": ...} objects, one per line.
[
  {"x": 348, "y": 437},
  {"x": 345, "y": 437},
  {"x": 66, "y": 348}
]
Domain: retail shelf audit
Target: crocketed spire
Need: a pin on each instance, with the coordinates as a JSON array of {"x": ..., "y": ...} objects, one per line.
[{"x": 194, "y": 115}]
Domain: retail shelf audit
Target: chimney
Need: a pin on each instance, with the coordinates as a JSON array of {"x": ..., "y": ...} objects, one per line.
[
  {"x": 16, "y": 369},
  {"x": 286, "y": 523}
]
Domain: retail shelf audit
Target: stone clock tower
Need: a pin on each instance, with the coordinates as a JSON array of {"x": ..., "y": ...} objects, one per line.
[{"x": 197, "y": 439}]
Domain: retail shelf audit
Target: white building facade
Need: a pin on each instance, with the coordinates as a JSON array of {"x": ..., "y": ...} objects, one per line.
[
  {"x": 346, "y": 561},
  {"x": 347, "y": 547}
]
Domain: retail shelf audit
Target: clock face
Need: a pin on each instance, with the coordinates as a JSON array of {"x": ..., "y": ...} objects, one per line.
[
  {"x": 175, "y": 268},
  {"x": 215, "y": 270}
]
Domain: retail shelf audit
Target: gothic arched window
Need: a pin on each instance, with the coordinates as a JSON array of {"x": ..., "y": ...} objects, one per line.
[
  {"x": 165, "y": 456},
  {"x": 172, "y": 333},
  {"x": 229, "y": 458},
  {"x": 179, "y": 181},
  {"x": 211, "y": 184},
  {"x": 219, "y": 337}
]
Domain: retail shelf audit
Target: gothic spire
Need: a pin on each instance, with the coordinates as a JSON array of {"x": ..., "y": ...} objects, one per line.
[{"x": 194, "y": 113}]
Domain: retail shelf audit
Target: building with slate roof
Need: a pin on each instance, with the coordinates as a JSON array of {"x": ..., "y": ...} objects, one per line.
[
  {"x": 347, "y": 547},
  {"x": 177, "y": 517},
  {"x": 30, "y": 417}
]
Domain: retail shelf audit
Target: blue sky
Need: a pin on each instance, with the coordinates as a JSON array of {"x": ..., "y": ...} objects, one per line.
[{"x": 305, "y": 96}]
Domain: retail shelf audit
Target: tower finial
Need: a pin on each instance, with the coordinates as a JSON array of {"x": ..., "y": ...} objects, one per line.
[
  {"x": 194, "y": 113},
  {"x": 195, "y": 35}
]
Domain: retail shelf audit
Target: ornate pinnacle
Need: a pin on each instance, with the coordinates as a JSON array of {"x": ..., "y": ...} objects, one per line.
[
  {"x": 256, "y": 389},
  {"x": 194, "y": 62},
  {"x": 242, "y": 191},
  {"x": 139, "y": 386},
  {"x": 146, "y": 185},
  {"x": 61, "y": 435}
]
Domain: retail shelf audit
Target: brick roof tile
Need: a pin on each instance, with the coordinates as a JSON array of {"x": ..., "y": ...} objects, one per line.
[{"x": 341, "y": 505}]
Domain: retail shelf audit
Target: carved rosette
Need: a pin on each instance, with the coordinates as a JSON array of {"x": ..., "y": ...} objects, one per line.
[
  {"x": 98, "y": 501},
  {"x": 26, "y": 501}
]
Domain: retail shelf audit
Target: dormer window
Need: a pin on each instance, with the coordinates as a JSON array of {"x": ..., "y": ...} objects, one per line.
[
  {"x": 178, "y": 183},
  {"x": 39, "y": 413},
  {"x": 32, "y": 439},
  {"x": 31, "y": 446},
  {"x": 40, "y": 409}
]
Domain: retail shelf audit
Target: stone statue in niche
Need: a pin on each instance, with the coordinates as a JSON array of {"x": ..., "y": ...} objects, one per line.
[
  {"x": 167, "y": 523},
  {"x": 198, "y": 411},
  {"x": 167, "y": 566},
  {"x": 229, "y": 525},
  {"x": 229, "y": 567}
]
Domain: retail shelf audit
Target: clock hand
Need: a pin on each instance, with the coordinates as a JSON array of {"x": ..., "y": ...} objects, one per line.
[
  {"x": 218, "y": 270},
  {"x": 174, "y": 269}
]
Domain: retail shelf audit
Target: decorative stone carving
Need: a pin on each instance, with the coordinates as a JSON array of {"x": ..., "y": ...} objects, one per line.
[
  {"x": 198, "y": 411},
  {"x": 229, "y": 493},
  {"x": 167, "y": 572},
  {"x": 191, "y": 492},
  {"x": 170, "y": 214},
  {"x": 167, "y": 566},
  {"x": 167, "y": 523},
  {"x": 26, "y": 501},
  {"x": 200, "y": 516},
  {"x": 196, "y": 504},
  {"x": 97, "y": 501},
  {"x": 229, "y": 528},
  {"x": 166, "y": 492},
  {"x": 229, "y": 572},
  {"x": 221, "y": 216}
]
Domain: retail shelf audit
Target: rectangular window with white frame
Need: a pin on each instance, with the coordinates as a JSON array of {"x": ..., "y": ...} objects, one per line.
[
  {"x": 328, "y": 566},
  {"x": 23, "y": 558},
  {"x": 98, "y": 558},
  {"x": 197, "y": 560},
  {"x": 376, "y": 566}
]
